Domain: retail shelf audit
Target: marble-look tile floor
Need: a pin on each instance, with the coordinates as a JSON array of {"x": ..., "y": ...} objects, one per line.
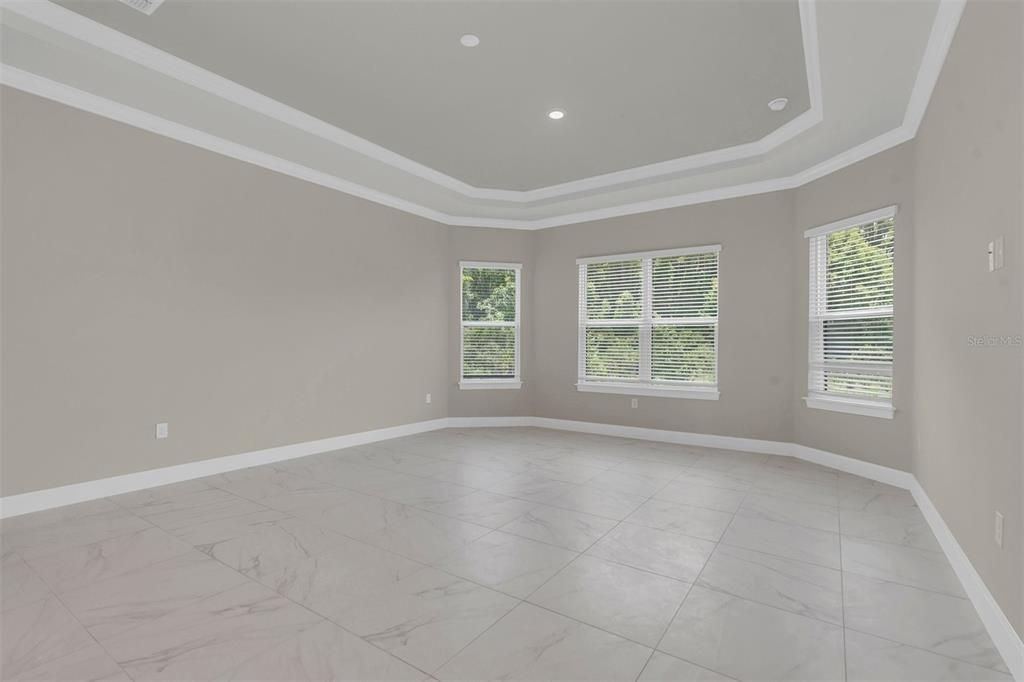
[{"x": 492, "y": 554}]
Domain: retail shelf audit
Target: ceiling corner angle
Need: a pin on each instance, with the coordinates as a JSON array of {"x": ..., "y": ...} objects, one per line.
[{"x": 110, "y": 40}]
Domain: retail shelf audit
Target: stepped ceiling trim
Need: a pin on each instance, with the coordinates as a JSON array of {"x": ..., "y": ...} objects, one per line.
[{"x": 67, "y": 22}]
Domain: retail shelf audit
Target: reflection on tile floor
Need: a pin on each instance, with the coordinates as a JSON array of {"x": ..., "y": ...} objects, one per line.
[{"x": 510, "y": 553}]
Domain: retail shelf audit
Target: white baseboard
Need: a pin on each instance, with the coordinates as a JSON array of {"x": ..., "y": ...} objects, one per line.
[
  {"x": 996, "y": 622},
  {"x": 38, "y": 500},
  {"x": 487, "y": 422},
  {"x": 857, "y": 467},
  {"x": 707, "y": 440},
  {"x": 1003, "y": 635},
  {"x": 998, "y": 625}
]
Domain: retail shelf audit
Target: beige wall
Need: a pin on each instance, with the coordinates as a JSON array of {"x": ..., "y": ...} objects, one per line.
[
  {"x": 755, "y": 317},
  {"x": 145, "y": 280},
  {"x": 968, "y": 402},
  {"x": 881, "y": 180},
  {"x": 506, "y": 246}
]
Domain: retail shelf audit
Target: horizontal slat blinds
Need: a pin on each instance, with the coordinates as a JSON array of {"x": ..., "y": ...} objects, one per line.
[
  {"x": 490, "y": 322},
  {"x": 650, "y": 320},
  {"x": 488, "y": 352},
  {"x": 851, "y": 311},
  {"x": 615, "y": 290},
  {"x": 614, "y": 305}
]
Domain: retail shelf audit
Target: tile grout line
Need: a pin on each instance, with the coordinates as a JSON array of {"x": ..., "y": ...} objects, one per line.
[
  {"x": 243, "y": 575},
  {"x": 692, "y": 585},
  {"x": 296, "y": 603},
  {"x": 618, "y": 523},
  {"x": 667, "y": 482},
  {"x": 490, "y": 531},
  {"x": 842, "y": 585},
  {"x": 523, "y": 600},
  {"x": 55, "y": 595}
]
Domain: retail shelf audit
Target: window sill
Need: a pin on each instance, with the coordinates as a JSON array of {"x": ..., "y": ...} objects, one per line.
[
  {"x": 691, "y": 392},
  {"x": 865, "y": 408},
  {"x": 484, "y": 384}
]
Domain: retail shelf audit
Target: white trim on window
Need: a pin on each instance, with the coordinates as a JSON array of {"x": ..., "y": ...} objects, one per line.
[
  {"x": 664, "y": 253},
  {"x": 477, "y": 384},
  {"x": 512, "y": 382},
  {"x": 694, "y": 392},
  {"x": 866, "y": 392},
  {"x": 867, "y": 408},
  {"x": 643, "y": 384},
  {"x": 853, "y": 221}
]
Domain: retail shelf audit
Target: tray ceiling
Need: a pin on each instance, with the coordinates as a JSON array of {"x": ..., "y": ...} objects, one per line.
[
  {"x": 640, "y": 82},
  {"x": 666, "y": 103}
]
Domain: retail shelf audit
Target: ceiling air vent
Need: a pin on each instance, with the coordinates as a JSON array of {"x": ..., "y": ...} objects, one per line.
[{"x": 144, "y": 6}]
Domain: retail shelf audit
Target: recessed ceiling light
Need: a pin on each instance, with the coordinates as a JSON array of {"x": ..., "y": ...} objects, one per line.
[
  {"x": 556, "y": 114},
  {"x": 469, "y": 40},
  {"x": 778, "y": 104}
]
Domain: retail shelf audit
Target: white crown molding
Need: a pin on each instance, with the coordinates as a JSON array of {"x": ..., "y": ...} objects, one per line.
[
  {"x": 71, "y": 23},
  {"x": 942, "y": 32},
  {"x": 66, "y": 21},
  {"x": 947, "y": 18},
  {"x": 101, "y": 106},
  {"x": 995, "y": 621}
]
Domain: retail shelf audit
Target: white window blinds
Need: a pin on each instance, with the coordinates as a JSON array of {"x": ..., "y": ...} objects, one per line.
[
  {"x": 649, "y": 322},
  {"x": 490, "y": 324},
  {"x": 851, "y": 309}
]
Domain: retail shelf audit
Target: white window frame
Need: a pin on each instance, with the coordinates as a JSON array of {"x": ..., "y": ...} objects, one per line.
[
  {"x": 515, "y": 382},
  {"x": 816, "y": 281},
  {"x": 644, "y": 385}
]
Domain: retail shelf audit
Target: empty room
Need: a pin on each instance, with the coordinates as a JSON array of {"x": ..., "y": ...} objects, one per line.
[{"x": 464, "y": 340}]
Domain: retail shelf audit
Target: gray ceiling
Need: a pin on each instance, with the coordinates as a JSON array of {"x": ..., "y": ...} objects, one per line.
[{"x": 641, "y": 82}]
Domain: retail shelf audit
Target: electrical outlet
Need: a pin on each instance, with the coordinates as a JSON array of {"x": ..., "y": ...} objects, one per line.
[
  {"x": 634, "y": 403},
  {"x": 427, "y": 399},
  {"x": 999, "y": 529},
  {"x": 162, "y": 430}
]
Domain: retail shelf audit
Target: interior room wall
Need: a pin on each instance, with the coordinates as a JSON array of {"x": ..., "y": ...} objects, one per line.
[
  {"x": 968, "y": 191},
  {"x": 504, "y": 246},
  {"x": 755, "y": 317},
  {"x": 145, "y": 281},
  {"x": 878, "y": 181}
]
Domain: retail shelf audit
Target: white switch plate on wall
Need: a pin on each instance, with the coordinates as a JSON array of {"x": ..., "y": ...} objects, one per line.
[
  {"x": 999, "y": 528},
  {"x": 427, "y": 399},
  {"x": 995, "y": 254},
  {"x": 162, "y": 430},
  {"x": 634, "y": 403}
]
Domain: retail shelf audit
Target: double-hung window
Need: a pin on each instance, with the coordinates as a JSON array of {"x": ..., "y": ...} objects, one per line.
[
  {"x": 489, "y": 328},
  {"x": 648, "y": 323},
  {"x": 850, "y": 320}
]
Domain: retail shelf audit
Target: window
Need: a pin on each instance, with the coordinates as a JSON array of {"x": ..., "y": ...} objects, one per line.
[
  {"x": 490, "y": 325},
  {"x": 850, "y": 321},
  {"x": 648, "y": 323}
]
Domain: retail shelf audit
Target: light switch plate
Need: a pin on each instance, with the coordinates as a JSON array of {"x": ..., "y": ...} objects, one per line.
[
  {"x": 995, "y": 254},
  {"x": 162, "y": 430}
]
